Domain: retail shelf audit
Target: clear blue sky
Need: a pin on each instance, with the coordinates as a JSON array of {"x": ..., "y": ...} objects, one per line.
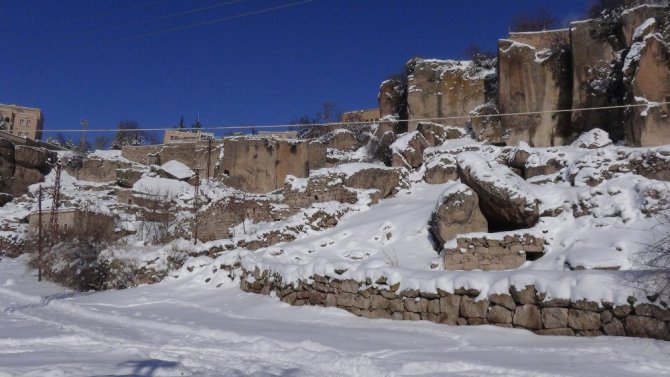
[{"x": 93, "y": 59}]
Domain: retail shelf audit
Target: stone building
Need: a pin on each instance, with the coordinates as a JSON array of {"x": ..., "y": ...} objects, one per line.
[
  {"x": 22, "y": 121},
  {"x": 185, "y": 136},
  {"x": 283, "y": 135}
]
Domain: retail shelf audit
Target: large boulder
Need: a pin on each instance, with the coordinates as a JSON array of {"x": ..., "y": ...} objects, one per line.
[
  {"x": 593, "y": 139},
  {"x": 34, "y": 157},
  {"x": 385, "y": 180},
  {"x": 128, "y": 177},
  {"x": 457, "y": 212},
  {"x": 445, "y": 89},
  {"x": 506, "y": 199},
  {"x": 408, "y": 150},
  {"x": 534, "y": 76},
  {"x": 436, "y": 134},
  {"x": 441, "y": 169}
]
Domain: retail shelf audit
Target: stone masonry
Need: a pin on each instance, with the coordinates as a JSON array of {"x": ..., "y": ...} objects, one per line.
[{"x": 518, "y": 307}]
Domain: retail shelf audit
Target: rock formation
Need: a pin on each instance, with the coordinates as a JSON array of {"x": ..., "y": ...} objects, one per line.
[
  {"x": 445, "y": 88},
  {"x": 457, "y": 213}
]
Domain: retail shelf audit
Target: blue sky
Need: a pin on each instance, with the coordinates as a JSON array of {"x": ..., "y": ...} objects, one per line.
[{"x": 97, "y": 59}]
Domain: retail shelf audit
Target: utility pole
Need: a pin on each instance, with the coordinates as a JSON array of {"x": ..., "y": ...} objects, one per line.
[
  {"x": 196, "y": 206},
  {"x": 53, "y": 221},
  {"x": 82, "y": 139},
  {"x": 209, "y": 155},
  {"x": 39, "y": 233}
]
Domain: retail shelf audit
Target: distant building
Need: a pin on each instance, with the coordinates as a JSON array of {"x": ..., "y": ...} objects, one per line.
[
  {"x": 22, "y": 121},
  {"x": 185, "y": 136},
  {"x": 279, "y": 134},
  {"x": 368, "y": 115}
]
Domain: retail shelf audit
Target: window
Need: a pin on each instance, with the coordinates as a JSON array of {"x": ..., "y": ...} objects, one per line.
[
  {"x": 21, "y": 122},
  {"x": 28, "y": 123}
]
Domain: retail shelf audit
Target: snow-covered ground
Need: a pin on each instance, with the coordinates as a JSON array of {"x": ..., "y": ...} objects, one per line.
[{"x": 185, "y": 327}]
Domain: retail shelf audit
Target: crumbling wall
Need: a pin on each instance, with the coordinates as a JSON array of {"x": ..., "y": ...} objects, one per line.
[
  {"x": 482, "y": 253},
  {"x": 194, "y": 155}
]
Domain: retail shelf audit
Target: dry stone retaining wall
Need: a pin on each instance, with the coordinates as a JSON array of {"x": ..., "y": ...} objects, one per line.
[
  {"x": 481, "y": 253},
  {"x": 525, "y": 308}
]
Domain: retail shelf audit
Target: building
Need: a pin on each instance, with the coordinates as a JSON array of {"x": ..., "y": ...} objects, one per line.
[
  {"x": 185, "y": 136},
  {"x": 283, "y": 135},
  {"x": 368, "y": 115},
  {"x": 22, "y": 121}
]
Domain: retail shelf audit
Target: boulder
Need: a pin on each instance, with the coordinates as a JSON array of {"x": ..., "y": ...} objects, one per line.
[
  {"x": 127, "y": 177},
  {"x": 593, "y": 139},
  {"x": 174, "y": 169},
  {"x": 441, "y": 170},
  {"x": 385, "y": 180},
  {"x": 434, "y": 133},
  {"x": 408, "y": 150},
  {"x": 34, "y": 157},
  {"x": 506, "y": 200},
  {"x": 499, "y": 314},
  {"x": 473, "y": 309},
  {"x": 486, "y": 126},
  {"x": 457, "y": 212}
]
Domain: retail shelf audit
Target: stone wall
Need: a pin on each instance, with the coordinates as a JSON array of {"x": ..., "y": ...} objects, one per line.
[
  {"x": 260, "y": 165},
  {"x": 525, "y": 308},
  {"x": 22, "y": 166},
  {"x": 193, "y": 155},
  {"x": 481, "y": 253}
]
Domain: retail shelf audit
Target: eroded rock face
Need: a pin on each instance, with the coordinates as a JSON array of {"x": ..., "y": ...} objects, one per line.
[
  {"x": 650, "y": 125},
  {"x": 23, "y": 178},
  {"x": 408, "y": 150},
  {"x": 34, "y": 157},
  {"x": 594, "y": 80},
  {"x": 341, "y": 139},
  {"x": 261, "y": 165},
  {"x": 445, "y": 88},
  {"x": 505, "y": 198},
  {"x": 486, "y": 125},
  {"x": 99, "y": 170},
  {"x": 534, "y": 75},
  {"x": 392, "y": 98},
  {"x": 457, "y": 212}
]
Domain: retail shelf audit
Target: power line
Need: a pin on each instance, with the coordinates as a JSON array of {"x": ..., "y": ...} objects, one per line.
[
  {"x": 141, "y": 22},
  {"x": 214, "y": 128}
]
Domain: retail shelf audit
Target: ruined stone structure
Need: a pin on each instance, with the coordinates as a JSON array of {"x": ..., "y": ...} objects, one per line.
[
  {"x": 367, "y": 115},
  {"x": 519, "y": 307},
  {"x": 444, "y": 88},
  {"x": 260, "y": 165},
  {"x": 483, "y": 253},
  {"x": 24, "y": 122},
  {"x": 193, "y": 155},
  {"x": 185, "y": 136},
  {"x": 22, "y": 166}
]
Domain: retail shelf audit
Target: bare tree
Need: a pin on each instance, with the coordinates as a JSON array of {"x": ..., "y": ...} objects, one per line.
[{"x": 539, "y": 19}]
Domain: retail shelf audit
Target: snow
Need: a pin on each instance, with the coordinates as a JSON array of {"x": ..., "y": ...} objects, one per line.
[
  {"x": 187, "y": 327},
  {"x": 164, "y": 187},
  {"x": 643, "y": 28},
  {"x": 178, "y": 170}
]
